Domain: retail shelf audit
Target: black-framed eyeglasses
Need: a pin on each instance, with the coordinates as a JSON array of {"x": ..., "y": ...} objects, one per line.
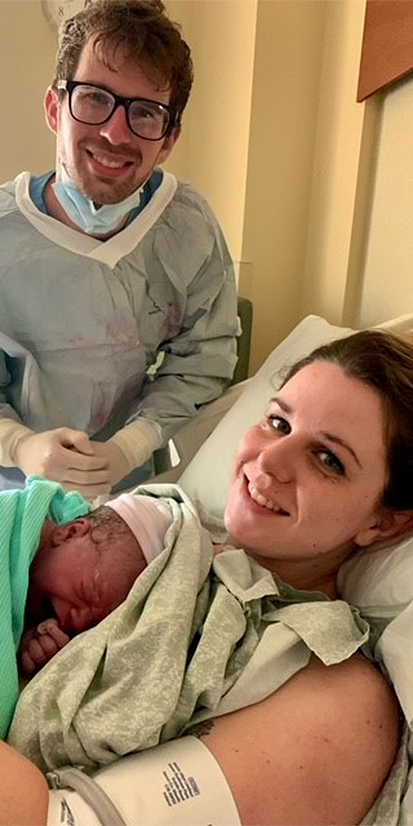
[{"x": 91, "y": 104}]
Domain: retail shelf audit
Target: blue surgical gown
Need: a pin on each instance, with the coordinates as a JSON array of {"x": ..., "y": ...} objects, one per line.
[{"x": 82, "y": 320}]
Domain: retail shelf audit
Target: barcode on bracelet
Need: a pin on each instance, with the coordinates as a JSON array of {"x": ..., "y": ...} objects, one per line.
[{"x": 178, "y": 787}]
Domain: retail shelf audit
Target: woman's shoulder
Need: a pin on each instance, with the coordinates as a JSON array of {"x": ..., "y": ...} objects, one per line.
[
  {"x": 354, "y": 697},
  {"x": 322, "y": 744}
]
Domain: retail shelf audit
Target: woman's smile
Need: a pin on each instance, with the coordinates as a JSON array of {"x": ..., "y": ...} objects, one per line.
[{"x": 264, "y": 501}]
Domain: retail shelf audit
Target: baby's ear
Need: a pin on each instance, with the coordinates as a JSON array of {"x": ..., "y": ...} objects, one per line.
[
  {"x": 71, "y": 530},
  {"x": 389, "y": 525}
]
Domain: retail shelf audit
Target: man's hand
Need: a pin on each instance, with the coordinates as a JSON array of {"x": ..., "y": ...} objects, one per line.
[
  {"x": 39, "y": 645},
  {"x": 117, "y": 464},
  {"x": 66, "y": 456}
]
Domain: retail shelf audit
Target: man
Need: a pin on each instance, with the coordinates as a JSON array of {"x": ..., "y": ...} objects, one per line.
[{"x": 107, "y": 264}]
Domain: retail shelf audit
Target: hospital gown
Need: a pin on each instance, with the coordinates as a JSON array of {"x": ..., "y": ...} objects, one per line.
[{"x": 82, "y": 320}]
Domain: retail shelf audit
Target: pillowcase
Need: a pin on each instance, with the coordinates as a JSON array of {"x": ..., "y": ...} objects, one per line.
[{"x": 379, "y": 581}]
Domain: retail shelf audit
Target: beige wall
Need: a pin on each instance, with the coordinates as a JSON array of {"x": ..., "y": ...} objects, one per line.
[
  {"x": 248, "y": 140},
  {"x": 216, "y": 131},
  {"x": 336, "y": 165},
  {"x": 359, "y": 258},
  {"x": 27, "y": 47},
  {"x": 288, "y": 52},
  {"x": 387, "y": 276},
  {"x": 292, "y": 186}
]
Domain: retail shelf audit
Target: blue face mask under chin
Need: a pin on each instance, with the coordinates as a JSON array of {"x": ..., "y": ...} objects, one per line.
[{"x": 83, "y": 213}]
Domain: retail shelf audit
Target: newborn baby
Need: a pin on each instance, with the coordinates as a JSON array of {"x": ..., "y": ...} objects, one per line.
[{"x": 84, "y": 569}]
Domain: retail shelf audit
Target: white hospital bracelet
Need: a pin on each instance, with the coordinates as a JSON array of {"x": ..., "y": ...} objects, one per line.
[{"x": 175, "y": 784}]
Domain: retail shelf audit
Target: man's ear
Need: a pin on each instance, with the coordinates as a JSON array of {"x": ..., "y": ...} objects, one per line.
[
  {"x": 168, "y": 144},
  {"x": 51, "y": 109},
  {"x": 388, "y": 525},
  {"x": 72, "y": 530}
]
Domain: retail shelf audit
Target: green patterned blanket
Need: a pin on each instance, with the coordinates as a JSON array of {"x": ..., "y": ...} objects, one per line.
[{"x": 191, "y": 641}]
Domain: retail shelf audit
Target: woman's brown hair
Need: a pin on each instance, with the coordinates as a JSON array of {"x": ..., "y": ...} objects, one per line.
[{"x": 383, "y": 361}]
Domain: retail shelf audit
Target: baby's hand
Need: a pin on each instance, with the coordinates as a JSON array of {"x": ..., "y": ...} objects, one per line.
[{"x": 39, "y": 645}]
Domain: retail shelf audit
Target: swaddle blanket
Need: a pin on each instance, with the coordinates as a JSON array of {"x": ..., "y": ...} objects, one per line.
[
  {"x": 190, "y": 641},
  {"x": 22, "y": 516}
]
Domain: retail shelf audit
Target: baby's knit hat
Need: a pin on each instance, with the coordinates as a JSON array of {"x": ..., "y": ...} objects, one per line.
[{"x": 148, "y": 519}]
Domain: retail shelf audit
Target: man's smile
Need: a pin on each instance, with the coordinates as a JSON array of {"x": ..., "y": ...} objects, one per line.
[{"x": 109, "y": 165}]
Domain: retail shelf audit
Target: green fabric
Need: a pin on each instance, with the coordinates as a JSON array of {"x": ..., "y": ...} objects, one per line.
[
  {"x": 385, "y": 810},
  {"x": 189, "y": 642},
  {"x": 22, "y": 515}
]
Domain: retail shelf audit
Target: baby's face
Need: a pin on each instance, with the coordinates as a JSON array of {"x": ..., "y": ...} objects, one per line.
[{"x": 77, "y": 583}]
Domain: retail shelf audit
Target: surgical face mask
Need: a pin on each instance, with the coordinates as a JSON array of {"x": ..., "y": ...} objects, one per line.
[{"x": 91, "y": 219}]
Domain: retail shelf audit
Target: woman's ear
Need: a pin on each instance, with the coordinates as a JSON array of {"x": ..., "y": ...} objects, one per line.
[
  {"x": 75, "y": 529},
  {"x": 389, "y": 525}
]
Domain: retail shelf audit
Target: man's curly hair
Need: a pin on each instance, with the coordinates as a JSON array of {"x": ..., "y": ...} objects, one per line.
[{"x": 142, "y": 31}]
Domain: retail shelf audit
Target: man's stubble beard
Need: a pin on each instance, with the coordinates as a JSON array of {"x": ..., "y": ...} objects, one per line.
[{"x": 91, "y": 188}]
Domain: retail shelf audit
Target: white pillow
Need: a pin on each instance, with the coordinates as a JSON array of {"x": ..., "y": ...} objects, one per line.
[
  {"x": 206, "y": 478},
  {"x": 379, "y": 582}
]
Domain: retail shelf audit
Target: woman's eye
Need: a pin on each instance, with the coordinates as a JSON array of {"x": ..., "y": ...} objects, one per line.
[
  {"x": 278, "y": 423},
  {"x": 331, "y": 462}
]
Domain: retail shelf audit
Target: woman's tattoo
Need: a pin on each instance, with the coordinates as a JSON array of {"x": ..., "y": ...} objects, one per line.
[{"x": 201, "y": 729}]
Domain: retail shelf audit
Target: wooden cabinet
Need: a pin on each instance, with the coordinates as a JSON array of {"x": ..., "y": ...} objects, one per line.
[{"x": 387, "y": 51}]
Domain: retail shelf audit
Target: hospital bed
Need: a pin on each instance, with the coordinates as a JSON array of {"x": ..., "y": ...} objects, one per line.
[{"x": 379, "y": 582}]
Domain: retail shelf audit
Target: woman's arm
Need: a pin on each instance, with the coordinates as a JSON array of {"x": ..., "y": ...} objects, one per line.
[
  {"x": 315, "y": 752},
  {"x": 24, "y": 794}
]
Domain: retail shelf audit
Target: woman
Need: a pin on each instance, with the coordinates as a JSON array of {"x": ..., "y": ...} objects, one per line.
[{"x": 327, "y": 471}]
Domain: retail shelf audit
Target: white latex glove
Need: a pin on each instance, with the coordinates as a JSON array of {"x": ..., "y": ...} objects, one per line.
[
  {"x": 117, "y": 464},
  {"x": 129, "y": 448},
  {"x": 66, "y": 456},
  {"x": 11, "y": 432}
]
